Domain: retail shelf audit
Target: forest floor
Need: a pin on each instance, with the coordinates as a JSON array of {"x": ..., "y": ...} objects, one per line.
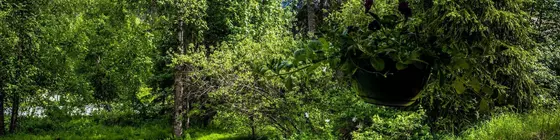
[{"x": 542, "y": 125}]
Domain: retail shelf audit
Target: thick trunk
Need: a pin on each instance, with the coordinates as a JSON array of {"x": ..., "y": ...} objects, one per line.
[
  {"x": 2, "y": 125},
  {"x": 178, "y": 106},
  {"x": 179, "y": 86},
  {"x": 311, "y": 17},
  {"x": 15, "y": 112}
]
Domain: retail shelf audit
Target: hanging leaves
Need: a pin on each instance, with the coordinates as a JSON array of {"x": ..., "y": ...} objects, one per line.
[
  {"x": 475, "y": 84},
  {"x": 459, "y": 86},
  {"x": 484, "y": 105},
  {"x": 378, "y": 64},
  {"x": 401, "y": 66}
]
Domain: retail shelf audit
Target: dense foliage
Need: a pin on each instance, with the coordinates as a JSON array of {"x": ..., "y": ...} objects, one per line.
[{"x": 267, "y": 69}]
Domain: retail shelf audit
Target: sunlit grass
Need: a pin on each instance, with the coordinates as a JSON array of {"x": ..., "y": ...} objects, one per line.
[{"x": 539, "y": 125}]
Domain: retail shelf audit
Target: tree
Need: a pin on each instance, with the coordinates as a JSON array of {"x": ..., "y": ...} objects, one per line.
[
  {"x": 189, "y": 30},
  {"x": 311, "y": 16},
  {"x": 21, "y": 53},
  {"x": 546, "y": 21},
  {"x": 6, "y": 42}
]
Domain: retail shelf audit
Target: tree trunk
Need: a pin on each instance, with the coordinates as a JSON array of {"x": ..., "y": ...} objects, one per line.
[
  {"x": 15, "y": 112},
  {"x": 178, "y": 106},
  {"x": 163, "y": 103},
  {"x": 2, "y": 125},
  {"x": 253, "y": 134},
  {"x": 187, "y": 117},
  {"x": 311, "y": 17},
  {"x": 179, "y": 86},
  {"x": 108, "y": 107}
]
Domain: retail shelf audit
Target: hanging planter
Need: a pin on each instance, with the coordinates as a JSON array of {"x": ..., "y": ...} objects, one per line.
[
  {"x": 386, "y": 58},
  {"x": 390, "y": 87},
  {"x": 387, "y": 62}
]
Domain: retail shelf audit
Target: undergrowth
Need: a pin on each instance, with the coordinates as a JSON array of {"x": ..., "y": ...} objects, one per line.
[
  {"x": 538, "y": 125},
  {"x": 541, "y": 125}
]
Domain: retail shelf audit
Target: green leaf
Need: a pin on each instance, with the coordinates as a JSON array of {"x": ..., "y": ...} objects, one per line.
[
  {"x": 388, "y": 50},
  {"x": 389, "y": 21},
  {"x": 289, "y": 83},
  {"x": 285, "y": 64},
  {"x": 487, "y": 90},
  {"x": 462, "y": 63},
  {"x": 144, "y": 95},
  {"x": 315, "y": 45},
  {"x": 300, "y": 55},
  {"x": 378, "y": 64},
  {"x": 441, "y": 78},
  {"x": 401, "y": 66},
  {"x": 313, "y": 67},
  {"x": 324, "y": 43},
  {"x": 484, "y": 105},
  {"x": 501, "y": 98},
  {"x": 475, "y": 84},
  {"x": 412, "y": 61},
  {"x": 348, "y": 68},
  {"x": 459, "y": 86},
  {"x": 421, "y": 61}
]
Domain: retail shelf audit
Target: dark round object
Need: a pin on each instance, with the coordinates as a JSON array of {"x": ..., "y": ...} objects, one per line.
[
  {"x": 368, "y": 4},
  {"x": 401, "y": 88},
  {"x": 374, "y": 25},
  {"x": 351, "y": 29},
  {"x": 404, "y": 9}
]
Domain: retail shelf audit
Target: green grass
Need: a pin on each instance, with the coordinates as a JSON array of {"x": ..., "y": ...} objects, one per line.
[
  {"x": 85, "y": 129},
  {"x": 221, "y": 136},
  {"x": 102, "y": 132},
  {"x": 109, "y": 128},
  {"x": 541, "y": 125},
  {"x": 215, "y": 134}
]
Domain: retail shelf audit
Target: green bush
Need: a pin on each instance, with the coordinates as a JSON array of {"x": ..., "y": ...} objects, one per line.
[{"x": 400, "y": 126}]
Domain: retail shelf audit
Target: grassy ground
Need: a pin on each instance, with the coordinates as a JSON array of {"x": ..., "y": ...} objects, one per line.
[
  {"x": 103, "y": 132},
  {"x": 541, "y": 125},
  {"x": 86, "y": 128},
  {"x": 108, "y": 128}
]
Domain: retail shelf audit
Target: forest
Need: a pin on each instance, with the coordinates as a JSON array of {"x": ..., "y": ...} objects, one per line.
[{"x": 280, "y": 69}]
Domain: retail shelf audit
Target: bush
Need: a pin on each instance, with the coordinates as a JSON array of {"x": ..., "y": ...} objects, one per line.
[
  {"x": 37, "y": 125},
  {"x": 405, "y": 125}
]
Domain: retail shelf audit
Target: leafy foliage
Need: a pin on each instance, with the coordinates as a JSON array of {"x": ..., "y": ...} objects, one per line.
[{"x": 247, "y": 69}]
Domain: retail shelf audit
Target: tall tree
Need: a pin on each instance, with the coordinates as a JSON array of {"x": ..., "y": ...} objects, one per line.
[
  {"x": 4, "y": 59},
  {"x": 179, "y": 85},
  {"x": 311, "y": 17},
  {"x": 23, "y": 21},
  {"x": 190, "y": 26}
]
